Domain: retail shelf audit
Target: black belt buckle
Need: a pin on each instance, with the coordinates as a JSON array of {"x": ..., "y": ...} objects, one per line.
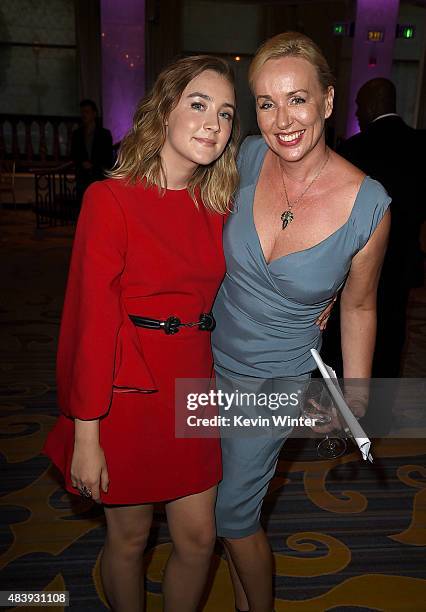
[
  {"x": 171, "y": 325},
  {"x": 207, "y": 322}
]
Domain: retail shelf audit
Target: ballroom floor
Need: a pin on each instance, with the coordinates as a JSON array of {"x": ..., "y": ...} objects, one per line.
[{"x": 346, "y": 535}]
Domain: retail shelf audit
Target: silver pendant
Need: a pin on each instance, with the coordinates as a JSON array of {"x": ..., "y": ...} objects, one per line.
[{"x": 287, "y": 217}]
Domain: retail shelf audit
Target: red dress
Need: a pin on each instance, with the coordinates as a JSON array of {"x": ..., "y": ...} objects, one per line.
[{"x": 137, "y": 253}]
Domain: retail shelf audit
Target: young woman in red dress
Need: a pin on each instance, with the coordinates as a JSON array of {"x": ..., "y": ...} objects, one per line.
[{"x": 149, "y": 245}]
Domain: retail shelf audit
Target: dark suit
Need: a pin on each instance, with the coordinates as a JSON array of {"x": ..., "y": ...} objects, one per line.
[
  {"x": 101, "y": 156},
  {"x": 392, "y": 152}
]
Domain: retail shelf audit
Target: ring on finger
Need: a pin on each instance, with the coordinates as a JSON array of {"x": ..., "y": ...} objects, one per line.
[{"x": 85, "y": 491}]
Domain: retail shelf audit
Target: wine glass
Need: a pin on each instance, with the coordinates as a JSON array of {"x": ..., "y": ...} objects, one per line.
[{"x": 318, "y": 406}]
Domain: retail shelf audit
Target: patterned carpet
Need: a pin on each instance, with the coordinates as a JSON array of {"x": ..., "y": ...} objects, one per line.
[{"x": 346, "y": 535}]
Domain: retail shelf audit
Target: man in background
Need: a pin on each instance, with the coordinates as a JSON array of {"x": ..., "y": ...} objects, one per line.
[
  {"x": 91, "y": 148},
  {"x": 390, "y": 151}
]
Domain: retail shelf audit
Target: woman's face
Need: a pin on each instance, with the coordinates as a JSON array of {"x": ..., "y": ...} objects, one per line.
[
  {"x": 291, "y": 106},
  {"x": 199, "y": 127}
]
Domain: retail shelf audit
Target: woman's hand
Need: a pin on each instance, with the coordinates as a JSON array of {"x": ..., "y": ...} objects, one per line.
[
  {"x": 88, "y": 467},
  {"x": 336, "y": 423},
  {"x": 325, "y": 314},
  {"x": 329, "y": 413}
]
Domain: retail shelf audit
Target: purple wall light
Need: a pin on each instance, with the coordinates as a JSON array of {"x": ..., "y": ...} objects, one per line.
[{"x": 123, "y": 62}]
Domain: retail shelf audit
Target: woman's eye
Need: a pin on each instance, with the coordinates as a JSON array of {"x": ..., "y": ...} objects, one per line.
[
  {"x": 298, "y": 100},
  {"x": 265, "y": 105},
  {"x": 197, "y": 106},
  {"x": 227, "y": 116}
]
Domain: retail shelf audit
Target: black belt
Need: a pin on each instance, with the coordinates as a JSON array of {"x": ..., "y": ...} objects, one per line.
[{"x": 172, "y": 324}]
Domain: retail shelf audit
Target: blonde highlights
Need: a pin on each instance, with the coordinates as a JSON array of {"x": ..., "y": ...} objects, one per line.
[
  {"x": 293, "y": 44},
  {"x": 139, "y": 154}
]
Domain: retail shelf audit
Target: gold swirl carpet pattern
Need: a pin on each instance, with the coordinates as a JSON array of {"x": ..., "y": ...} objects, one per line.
[{"x": 346, "y": 536}]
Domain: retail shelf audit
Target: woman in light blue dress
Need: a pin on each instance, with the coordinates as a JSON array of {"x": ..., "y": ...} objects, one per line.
[{"x": 306, "y": 223}]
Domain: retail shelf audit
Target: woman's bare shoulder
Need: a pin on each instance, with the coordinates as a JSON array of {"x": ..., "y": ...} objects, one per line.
[
  {"x": 344, "y": 181},
  {"x": 345, "y": 170},
  {"x": 346, "y": 177}
]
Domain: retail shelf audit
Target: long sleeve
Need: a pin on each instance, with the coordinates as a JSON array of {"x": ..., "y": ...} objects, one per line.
[{"x": 93, "y": 312}]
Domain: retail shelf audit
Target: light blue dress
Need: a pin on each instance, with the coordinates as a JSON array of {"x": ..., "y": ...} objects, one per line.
[{"x": 265, "y": 316}]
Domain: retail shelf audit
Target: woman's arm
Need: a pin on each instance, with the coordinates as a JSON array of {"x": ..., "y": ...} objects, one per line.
[
  {"x": 90, "y": 323},
  {"x": 358, "y": 304},
  {"x": 92, "y": 315}
]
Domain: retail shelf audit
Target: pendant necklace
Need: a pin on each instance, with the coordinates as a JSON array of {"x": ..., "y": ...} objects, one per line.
[{"x": 288, "y": 215}]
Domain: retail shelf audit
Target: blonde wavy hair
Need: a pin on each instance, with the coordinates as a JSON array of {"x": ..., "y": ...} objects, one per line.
[
  {"x": 139, "y": 154},
  {"x": 293, "y": 44}
]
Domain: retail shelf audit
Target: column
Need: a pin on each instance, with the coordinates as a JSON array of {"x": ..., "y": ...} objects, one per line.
[{"x": 123, "y": 62}]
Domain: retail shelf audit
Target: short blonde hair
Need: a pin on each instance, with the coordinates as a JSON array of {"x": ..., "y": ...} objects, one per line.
[
  {"x": 293, "y": 44},
  {"x": 139, "y": 154}
]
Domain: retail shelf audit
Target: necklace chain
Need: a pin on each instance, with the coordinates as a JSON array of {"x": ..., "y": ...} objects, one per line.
[{"x": 288, "y": 215}]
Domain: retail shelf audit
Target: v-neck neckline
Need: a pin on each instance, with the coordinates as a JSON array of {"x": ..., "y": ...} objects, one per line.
[{"x": 314, "y": 246}]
